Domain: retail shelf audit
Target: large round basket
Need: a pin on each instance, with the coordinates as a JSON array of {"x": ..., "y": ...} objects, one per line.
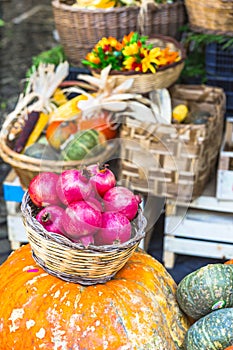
[
  {"x": 211, "y": 17},
  {"x": 73, "y": 262},
  {"x": 27, "y": 167},
  {"x": 80, "y": 29},
  {"x": 163, "y": 78}
]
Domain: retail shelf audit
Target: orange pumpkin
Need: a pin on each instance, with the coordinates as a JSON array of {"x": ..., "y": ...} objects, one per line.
[
  {"x": 101, "y": 123},
  {"x": 137, "y": 309},
  {"x": 229, "y": 348},
  {"x": 58, "y": 132},
  {"x": 229, "y": 262}
]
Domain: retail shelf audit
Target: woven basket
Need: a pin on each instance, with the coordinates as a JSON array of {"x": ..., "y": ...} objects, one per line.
[
  {"x": 80, "y": 29},
  {"x": 27, "y": 167},
  {"x": 73, "y": 262},
  {"x": 211, "y": 17},
  {"x": 163, "y": 78},
  {"x": 165, "y": 19},
  {"x": 177, "y": 160}
]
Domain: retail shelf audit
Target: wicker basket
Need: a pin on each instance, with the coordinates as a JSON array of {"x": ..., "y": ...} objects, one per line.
[
  {"x": 211, "y": 17},
  {"x": 27, "y": 167},
  {"x": 80, "y": 29},
  {"x": 163, "y": 78},
  {"x": 177, "y": 160},
  {"x": 165, "y": 19},
  {"x": 73, "y": 262}
]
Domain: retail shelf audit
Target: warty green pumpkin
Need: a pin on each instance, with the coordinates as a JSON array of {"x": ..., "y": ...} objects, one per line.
[
  {"x": 136, "y": 310},
  {"x": 211, "y": 332},
  {"x": 206, "y": 289},
  {"x": 85, "y": 143}
]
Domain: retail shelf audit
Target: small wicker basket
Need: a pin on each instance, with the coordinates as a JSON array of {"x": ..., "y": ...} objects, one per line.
[
  {"x": 164, "y": 76},
  {"x": 211, "y": 17},
  {"x": 73, "y": 262}
]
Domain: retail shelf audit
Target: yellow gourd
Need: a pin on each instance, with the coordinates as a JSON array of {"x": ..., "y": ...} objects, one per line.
[
  {"x": 39, "y": 127},
  {"x": 67, "y": 110},
  {"x": 180, "y": 112}
]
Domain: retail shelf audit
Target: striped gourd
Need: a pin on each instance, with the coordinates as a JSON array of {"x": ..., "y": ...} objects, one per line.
[
  {"x": 211, "y": 332},
  {"x": 206, "y": 289},
  {"x": 83, "y": 144}
]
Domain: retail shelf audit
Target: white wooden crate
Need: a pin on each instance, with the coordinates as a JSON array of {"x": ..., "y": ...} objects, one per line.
[
  {"x": 13, "y": 192},
  {"x": 224, "y": 188},
  {"x": 204, "y": 228}
]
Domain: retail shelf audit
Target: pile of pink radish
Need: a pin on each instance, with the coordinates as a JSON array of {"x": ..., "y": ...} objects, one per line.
[{"x": 85, "y": 205}]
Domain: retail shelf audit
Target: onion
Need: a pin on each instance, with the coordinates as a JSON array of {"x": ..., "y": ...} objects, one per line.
[
  {"x": 121, "y": 199},
  {"x": 73, "y": 186},
  {"x": 116, "y": 228},
  {"x": 102, "y": 178},
  {"x": 42, "y": 189},
  {"x": 50, "y": 218},
  {"x": 81, "y": 219}
]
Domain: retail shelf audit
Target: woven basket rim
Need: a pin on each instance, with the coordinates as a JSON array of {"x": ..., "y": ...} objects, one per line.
[
  {"x": 26, "y": 162},
  {"x": 57, "y": 4},
  {"x": 27, "y": 213}
]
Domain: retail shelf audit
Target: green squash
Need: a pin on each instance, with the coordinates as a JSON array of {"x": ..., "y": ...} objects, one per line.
[
  {"x": 212, "y": 332},
  {"x": 41, "y": 151},
  {"x": 86, "y": 143},
  {"x": 206, "y": 289}
]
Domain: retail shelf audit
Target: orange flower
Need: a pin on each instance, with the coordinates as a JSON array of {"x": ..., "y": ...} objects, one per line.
[
  {"x": 92, "y": 58},
  {"x": 168, "y": 56},
  {"x": 127, "y": 38}
]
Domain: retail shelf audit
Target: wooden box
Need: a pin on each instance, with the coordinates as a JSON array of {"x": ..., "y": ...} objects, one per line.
[
  {"x": 177, "y": 160},
  {"x": 202, "y": 228},
  {"x": 225, "y": 165}
]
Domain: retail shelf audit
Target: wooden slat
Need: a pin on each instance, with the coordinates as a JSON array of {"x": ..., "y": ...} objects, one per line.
[{"x": 198, "y": 248}]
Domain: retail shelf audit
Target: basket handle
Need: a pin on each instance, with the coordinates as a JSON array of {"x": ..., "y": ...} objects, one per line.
[{"x": 142, "y": 15}]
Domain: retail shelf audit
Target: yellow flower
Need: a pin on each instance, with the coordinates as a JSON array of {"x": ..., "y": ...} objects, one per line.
[
  {"x": 128, "y": 62},
  {"x": 150, "y": 57},
  {"x": 131, "y": 49}
]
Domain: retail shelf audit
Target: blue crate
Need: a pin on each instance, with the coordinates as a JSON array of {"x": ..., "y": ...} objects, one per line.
[
  {"x": 226, "y": 83},
  {"x": 75, "y": 71},
  {"x": 218, "y": 61},
  {"x": 12, "y": 191}
]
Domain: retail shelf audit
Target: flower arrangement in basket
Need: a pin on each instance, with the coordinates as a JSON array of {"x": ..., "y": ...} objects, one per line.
[
  {"x": 153, "y": 63},
  {"x": 82, "y": 227}
]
